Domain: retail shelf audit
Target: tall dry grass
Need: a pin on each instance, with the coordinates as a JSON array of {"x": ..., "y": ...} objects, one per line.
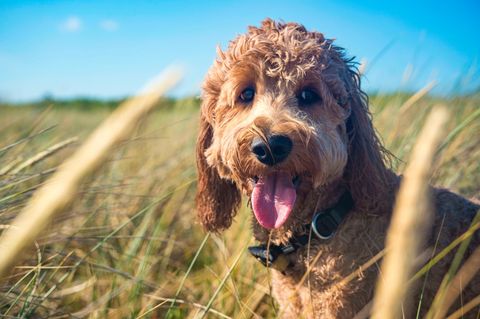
[
  {"x": 60, "y": 189},
  {"x": 129, "y": 244},
  {"x": 410, "y": 223}
]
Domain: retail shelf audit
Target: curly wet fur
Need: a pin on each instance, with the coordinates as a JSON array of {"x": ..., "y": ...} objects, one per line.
[{"x": 335, "y": 149}]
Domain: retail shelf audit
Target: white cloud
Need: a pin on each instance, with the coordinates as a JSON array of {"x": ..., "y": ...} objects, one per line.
[
  {"x": 72, "y": 24},
  {"x": 109, "y": 25}
]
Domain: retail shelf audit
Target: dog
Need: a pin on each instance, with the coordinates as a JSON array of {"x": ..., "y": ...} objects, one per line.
[{"x": 284, "y": 121}]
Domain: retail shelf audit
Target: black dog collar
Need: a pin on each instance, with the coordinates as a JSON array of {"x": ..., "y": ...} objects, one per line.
[{"x": 324, "y": 225}]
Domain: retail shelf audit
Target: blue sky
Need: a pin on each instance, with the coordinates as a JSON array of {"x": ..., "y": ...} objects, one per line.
[{"x": 111, "y": 48}]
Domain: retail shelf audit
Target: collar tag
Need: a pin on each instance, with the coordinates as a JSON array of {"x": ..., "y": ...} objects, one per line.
[{"x": 324, "y": 225}]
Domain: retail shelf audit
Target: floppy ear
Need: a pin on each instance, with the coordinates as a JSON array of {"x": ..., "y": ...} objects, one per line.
[
  {"x": 217, "y": 199},
  {"x": 367, "y": 172}
]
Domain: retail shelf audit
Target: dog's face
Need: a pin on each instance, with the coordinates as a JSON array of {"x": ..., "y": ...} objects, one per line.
[
  {"x": 276, "y": 131},
  {"x": 273, "y": 124}
]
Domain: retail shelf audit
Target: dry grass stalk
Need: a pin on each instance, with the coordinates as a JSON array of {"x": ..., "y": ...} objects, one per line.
[
  {"x": 405, "y": 107},
  {"x": 372, "y": 261},
  {"x": 7, "y": 168},
  {"x": 25, "y": 139},
  {"x": 364, "y": 313},
  {"x": 207, "y": 308},
  {"x": 363, "y": 66},
  {"x": 181, "y": 301},
  {"x": 409, "y": 222},
  {"x": 461, "y": 279},
  {"x": 43, "y": 154},
  {"x": 416, "y": 97},
  {"x": 60, "y": 189},
  {"x": 466, "y": 308},
  {"x": 459, "y": 240}
]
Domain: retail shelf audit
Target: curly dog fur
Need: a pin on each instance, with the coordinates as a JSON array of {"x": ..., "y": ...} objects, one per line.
[{"x": 335, "y": 148}]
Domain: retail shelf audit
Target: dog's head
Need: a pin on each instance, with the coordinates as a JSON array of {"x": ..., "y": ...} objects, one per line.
[{"x": 282, "y": 115}]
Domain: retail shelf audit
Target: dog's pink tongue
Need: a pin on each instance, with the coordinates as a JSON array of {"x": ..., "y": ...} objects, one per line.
[{"x": 272, "y": 199}]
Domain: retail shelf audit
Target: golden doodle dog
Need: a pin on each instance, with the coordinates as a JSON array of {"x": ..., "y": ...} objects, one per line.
[{"x": 285, "y": 122}]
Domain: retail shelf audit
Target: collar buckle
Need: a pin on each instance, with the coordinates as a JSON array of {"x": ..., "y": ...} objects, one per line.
[
  {"x": 272, "y": 256},
  {"x": 265, "y": 255}
]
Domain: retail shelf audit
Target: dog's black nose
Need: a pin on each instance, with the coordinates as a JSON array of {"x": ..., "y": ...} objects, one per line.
[{"x": 278, "y": 149}]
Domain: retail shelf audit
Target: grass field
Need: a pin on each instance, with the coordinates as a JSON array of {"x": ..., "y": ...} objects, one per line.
[{"x": 130, "y": 246}]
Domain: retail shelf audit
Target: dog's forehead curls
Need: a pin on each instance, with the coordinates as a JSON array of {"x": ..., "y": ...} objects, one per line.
[{"x": 282, "y": 116}]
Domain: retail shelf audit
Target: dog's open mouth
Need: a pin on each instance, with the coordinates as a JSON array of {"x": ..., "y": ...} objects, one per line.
[{"x": 273, "y": 198}]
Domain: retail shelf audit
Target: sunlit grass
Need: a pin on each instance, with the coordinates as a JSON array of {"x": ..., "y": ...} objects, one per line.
[{"x": 130, "y": 246}]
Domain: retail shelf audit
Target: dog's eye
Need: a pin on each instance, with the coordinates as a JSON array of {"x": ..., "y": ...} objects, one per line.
[
  {"x": 307, "y": 97},
  {"x": 247, "y": 95}
]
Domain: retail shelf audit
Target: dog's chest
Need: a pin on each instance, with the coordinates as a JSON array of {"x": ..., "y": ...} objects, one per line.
[{"x": 325, "y": 281}]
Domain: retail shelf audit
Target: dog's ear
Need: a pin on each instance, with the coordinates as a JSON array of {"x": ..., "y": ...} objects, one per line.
[
  {"x": 217, "y": 199},
  {"x": 367, "y": 172}
]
